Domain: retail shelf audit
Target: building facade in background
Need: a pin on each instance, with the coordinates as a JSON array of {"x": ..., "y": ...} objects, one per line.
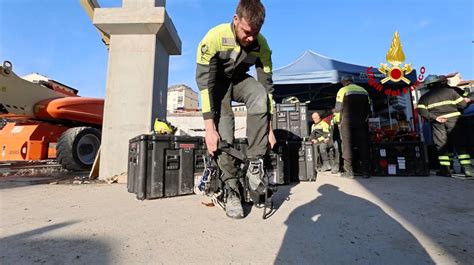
[{"x": 182, "y": 98}]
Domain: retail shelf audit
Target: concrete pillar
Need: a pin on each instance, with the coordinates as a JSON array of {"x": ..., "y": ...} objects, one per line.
[{"x": 142, "y": 37}]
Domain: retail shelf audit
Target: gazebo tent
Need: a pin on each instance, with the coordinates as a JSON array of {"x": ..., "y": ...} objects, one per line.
[
  {"x": 315, "y": 78},
  {"x": 312, "y": 73}
]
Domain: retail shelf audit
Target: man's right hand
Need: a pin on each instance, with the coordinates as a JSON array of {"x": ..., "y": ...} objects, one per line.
[
  {"x": 212, "y": 140},
  {"x": 212, "y": 136},
  {"x": 441, "y": 119}
]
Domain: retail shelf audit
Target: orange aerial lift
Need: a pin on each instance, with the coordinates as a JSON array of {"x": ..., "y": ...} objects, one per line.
[{"x": 47, "y": 119}]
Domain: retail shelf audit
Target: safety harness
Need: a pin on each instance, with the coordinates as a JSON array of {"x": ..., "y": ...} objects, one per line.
[{"x": 211, "y": 184}]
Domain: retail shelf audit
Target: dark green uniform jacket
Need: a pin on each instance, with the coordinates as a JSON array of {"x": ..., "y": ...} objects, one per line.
[
  {"x": 220, "y": 59},
  {"x": 440, "y": 101}
]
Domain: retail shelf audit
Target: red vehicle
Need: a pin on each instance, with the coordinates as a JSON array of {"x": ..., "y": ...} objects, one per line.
[{"x": 48, "y": 120}]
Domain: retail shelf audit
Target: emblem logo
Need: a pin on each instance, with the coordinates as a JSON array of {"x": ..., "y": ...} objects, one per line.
[
  {"x": 395, "y": 71},
  {"x": 395, "y": 56},
  {"x": 204, "y": 48}
]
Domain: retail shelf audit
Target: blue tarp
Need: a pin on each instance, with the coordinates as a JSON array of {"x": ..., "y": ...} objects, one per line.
[{"x": 313, "y": 68}]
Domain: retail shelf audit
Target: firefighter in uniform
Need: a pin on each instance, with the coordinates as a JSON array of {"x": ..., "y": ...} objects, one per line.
[
  {"x": 352, "y": 113},
  {"x": 462, "y": 123},
  {"x": 441, "y": 106},
  {"x": 320, "y": 136},
  {"x": 224, "y": 57}
]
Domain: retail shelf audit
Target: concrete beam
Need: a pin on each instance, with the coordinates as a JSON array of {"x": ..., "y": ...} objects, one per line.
[
  {"x": 131, "y": 21},
  {"x": 143, "y": 3}
]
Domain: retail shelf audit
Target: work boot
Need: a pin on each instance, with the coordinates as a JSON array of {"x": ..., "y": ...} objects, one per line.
[
  {"x": 444, "y": 171},
  {"x": 467, "y": 170},
  {"x": 348, "y": 173},
  {"x": 256, "y": 175},
  {"x": 326, "y": 166},
  {"x": 259, "y": 200},
  {"x": 334, "y": 166},
  {"x": 365, "y": 171},
  {"x": 233, "y": 206}
]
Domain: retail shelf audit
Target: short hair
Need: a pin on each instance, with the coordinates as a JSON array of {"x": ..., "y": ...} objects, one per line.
[
  {"x": 253, "y": 11},
  {"x": 347, "y": 78}
]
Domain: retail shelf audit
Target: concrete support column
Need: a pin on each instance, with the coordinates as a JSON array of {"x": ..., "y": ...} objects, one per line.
[{"x": 142, "y": 37}]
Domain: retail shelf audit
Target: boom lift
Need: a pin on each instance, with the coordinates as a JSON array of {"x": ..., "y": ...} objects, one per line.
[{"x": 47, "y": 119}]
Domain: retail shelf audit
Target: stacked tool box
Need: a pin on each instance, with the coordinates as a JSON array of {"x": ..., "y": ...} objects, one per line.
[
  {"x": 291, "y": 124},
  {"x": 291, "y": 121},
  {"x": 302, "y": 161},
  {"x": 161, "y": 166}
]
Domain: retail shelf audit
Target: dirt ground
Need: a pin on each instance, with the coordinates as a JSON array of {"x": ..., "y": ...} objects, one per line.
[{"x": 396, "y": 220}]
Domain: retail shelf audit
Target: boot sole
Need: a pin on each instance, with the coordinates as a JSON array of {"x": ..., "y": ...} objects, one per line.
[{"x": 235, "y": 217}]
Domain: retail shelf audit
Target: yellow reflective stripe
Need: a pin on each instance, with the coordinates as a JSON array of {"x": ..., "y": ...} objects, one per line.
[
  {"x": 443, "y": 158},
  {"x": 450, "y": 115},
  {"x": 348, "y": 90},
  {"x": 340, "y": 94},
  {"x": 337, "y": 117},
  {"x": 270, "y": 103},
  {"x": 446, "y": 102},
  {"x": 465, "y": 94},
  {"x": 421, "y": 106},
  {"x": 464, "y": 156},
  {"x": 465, "y": 162},
  {"x": 321, "y": 138},
  {"x": 325, "y": 126},
  {"x": 206, "y": 103},
  {"x": 445, "y": 163},
  {"x": 265, "y": 54},
  {"x": 458, "y": 100}
]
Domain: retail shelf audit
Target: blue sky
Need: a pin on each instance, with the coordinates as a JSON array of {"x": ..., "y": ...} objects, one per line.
[{"x": 56, "y": 38}]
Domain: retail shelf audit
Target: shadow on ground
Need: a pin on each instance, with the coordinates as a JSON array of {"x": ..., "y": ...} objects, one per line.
[
  {"x": 441, "y": 208},
  {"x": 35, "y": 247},
  {"x": 338, "y": 228}
]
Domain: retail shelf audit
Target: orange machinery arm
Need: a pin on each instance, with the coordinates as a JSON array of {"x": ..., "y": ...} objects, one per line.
[{"x": 78, "y": 109}]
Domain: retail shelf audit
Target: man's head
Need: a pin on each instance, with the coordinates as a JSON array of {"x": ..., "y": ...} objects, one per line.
[
  {"x": 248, "y": 21},
  {"x": 432, "y": 81},
  {"x": 346, "y": 80},
  {"x": 443, "y": 79},
  {"x": 316, "y": 117}
]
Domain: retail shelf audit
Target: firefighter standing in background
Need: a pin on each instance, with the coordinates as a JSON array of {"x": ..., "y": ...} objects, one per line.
[
  {"x": 321, "y": 138},
  {"x": 462, "y": 123},
  {"x": 224, "y": 57},
  {"x": 441, "y": 106},
  {"x": 352, "y": 113}
]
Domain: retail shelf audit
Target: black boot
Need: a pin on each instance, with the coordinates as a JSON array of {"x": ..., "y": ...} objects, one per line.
[
  {"x": 365, "y": 170},
  {"x": 467, "y": 170},
  {"x": 348, "y": 173},
  {"x": 444, "y": 171},
  {"x": 326, "y": 166},
  {"x": 334, "y": 166}
]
